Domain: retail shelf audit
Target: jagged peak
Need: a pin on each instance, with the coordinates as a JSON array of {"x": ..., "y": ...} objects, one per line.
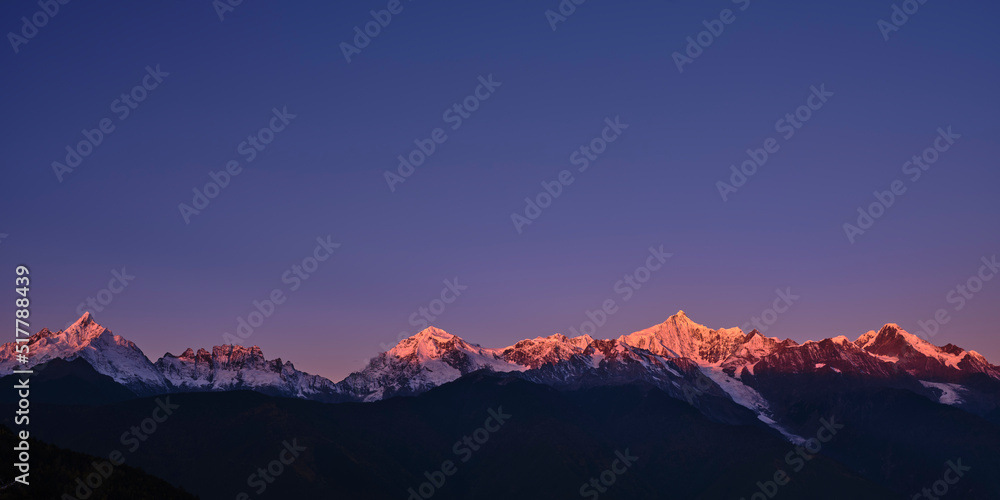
[
  {"x": 891, "y": 331},
  {"x": 229, "y": 349},
  {"x": 190, "y": 354},
  {"x": 86, "y": 326},
  {"x": 85, "y": 319},
  {"x": 561, "y": 339}
]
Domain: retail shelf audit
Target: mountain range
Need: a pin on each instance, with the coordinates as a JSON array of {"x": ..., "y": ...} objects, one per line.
[
  {"x": 710, "y": 413},
  {"x": 729, "y": 375}
]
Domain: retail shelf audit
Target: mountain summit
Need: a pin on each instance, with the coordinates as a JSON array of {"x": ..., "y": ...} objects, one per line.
[{"x": 109, "y": 354}]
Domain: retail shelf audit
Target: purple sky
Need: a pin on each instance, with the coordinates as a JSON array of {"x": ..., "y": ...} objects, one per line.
[{"x": 656, "y": 184}]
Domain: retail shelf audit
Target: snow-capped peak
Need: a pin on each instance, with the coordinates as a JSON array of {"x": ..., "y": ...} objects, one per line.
[
  {"x": 893, "y": 341},
  {"x": 84, "y": 330},
  {"x": 429, "y": 343},
  {"x": 234, "y": 367},
  {"x": 540, "y": 351},
  {"x": 87, "y": 318},
  {"x": 109, "y": 354},
  {"x": 678, "y": 336}
]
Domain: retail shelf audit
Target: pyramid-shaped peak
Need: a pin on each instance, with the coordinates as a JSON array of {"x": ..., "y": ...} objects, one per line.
[
  {"x": 682, "y": 320},
  {"x": 85, "y": 321},
  {"x": 678, "y": 336},
  {"x": 893, "y": 340},
  {"x": 891, "y": 332},
  {"x": 680, "y": 317},
  {"x": 85, "y": 328}
]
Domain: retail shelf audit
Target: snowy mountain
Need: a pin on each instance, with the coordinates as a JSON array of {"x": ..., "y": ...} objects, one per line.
[
  {"x": 919, "y": 357},
  {"x": 722, "y": 372},
  {"x": 692, "y": 362},
  {"x": 109, "y": 354},
  {"x": 679, "y": 337},
  {"x": 230, "y": 367},
  {"x": 225, "y": 368},
  {"x": 423, "y": 361},
  {"x": 534, "y": 353}
]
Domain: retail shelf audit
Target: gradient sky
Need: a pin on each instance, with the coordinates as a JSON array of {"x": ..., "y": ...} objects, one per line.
[{"x": 655, "y": 185}]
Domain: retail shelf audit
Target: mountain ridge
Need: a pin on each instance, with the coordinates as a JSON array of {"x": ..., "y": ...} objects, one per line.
[{"x": 684, "y": 358}]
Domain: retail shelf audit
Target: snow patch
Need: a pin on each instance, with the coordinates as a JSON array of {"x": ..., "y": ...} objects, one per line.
[{"x": 950, "y": 393}]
